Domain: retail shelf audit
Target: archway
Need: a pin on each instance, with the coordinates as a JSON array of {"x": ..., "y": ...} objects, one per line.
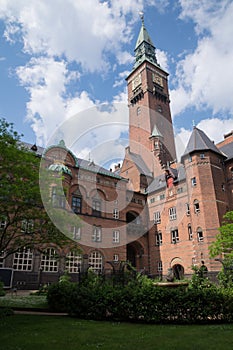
[
  {"x": 178, "y": 271},
  {"x": 135, "y": 253}
]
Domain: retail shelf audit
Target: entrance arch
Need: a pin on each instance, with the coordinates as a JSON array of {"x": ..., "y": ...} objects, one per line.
[
  {"x": 178, "y": 271},
  {"x": 135, "y": 254}
]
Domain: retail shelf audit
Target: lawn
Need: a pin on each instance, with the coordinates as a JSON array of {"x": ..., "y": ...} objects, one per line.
[
  {"x": 26, "y": 332},
  {"x": 24, "y": 301}
]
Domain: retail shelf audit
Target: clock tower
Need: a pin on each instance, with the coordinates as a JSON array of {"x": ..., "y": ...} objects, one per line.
[{"x": 150, "y": 125}]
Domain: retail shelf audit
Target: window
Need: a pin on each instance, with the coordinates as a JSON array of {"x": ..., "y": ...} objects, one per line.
[
  {"x": 190, "y": 159},
  {"x": 2, "y": 258},
  {"x": 96, "y": 207},
  {"x": 202, "y": 155},
  {"x": 162, "y": 196},
  {"x": 156, "y": 145},
  {"x": 49, "y": 261},
  {"x": 2, "y": 223},
  {"x": 200, "y": 236},
  {"x": 115, "y": 236},
  {"x": 196, "y": 206},
  {"x": 175, "y": 236},
  {"x": 96, "y": 261},
  {"x": 152, "y": 200},
  {"x": 159, "y": 109},
  {"x": 115, "y": 213},
  {"x": 157, "y": 217},
  {"x": 58, "y": 198},
  {"x": 187, "y": 209},
  {"x": 223, "y": 188},
  {"x": 76, "y": 233},
  {"x": 193, "y": 181},
  {"x": 97, "y": 234},
  {"x": 73, "y": 262},
  {"x": 160, "y": 266},
  {"x": 27, "y": 226},
  {"x": 179, "y": 190},
  {"x": 190, "y": 232},
  {"x": 158, "y": 238},
  {"x": 76, "y": 204},
  {"x": 115, "y": 257},
  {"x": 172, "y": 213},
  {"x": 138, "y": 110},
  {"x": 23, "y": 260}
]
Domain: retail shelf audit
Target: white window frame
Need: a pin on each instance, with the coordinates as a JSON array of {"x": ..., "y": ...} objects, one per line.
[
  {"x": 200, "y": 238},
  {"x": 175, "y": 236},
  {"x": 97, "y": 234},
  {"x": 23, "y": 260},
  {"x": 196, "y": 205},
  {"x": 96, "y": 261},
  {"x": 115, "y": 257},
  {"x": 115, "y": 236},
  {"x": 172, "y": 213},
  {"x": 187, "y": 207},
  {"x": 115, "y": 213},
  {"x": 76, "y": 233},
  {"x": 27, "y": 226},
  {"x": 190, "y": 232},
  {"x": 49, "y": 261},
  {"x": 157, "y": 217},
  {"x": 158, "y": 238},
  {"x": 160, "y": 266},
  {"x": 194, "y": 181},
  {"x": 73, "y": 262}
]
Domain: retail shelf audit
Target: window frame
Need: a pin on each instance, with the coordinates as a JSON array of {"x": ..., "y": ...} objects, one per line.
[
  {"x": 172, "y": 213},
  {"x": 157, "y": 217},
  {"x": 97, "y": 233},
  {"x": 115, "y": 236},
  {"x": 175, "y": 236}
]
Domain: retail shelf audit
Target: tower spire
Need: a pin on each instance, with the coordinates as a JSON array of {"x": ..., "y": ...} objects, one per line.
[{"x": 145, "y": 49}]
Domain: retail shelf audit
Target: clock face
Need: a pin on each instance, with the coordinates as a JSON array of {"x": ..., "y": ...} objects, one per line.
[
  {"x": 136, "y": 81},
  {"x": 157, "y": 79}
]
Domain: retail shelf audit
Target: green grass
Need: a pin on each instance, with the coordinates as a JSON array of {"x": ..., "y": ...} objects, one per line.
[
  {"x": 26, "y": 332},
  {"x": 28, "y": 301}
]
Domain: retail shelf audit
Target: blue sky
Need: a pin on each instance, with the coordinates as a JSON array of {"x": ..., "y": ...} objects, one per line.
[{"x": 62, "y": 57}]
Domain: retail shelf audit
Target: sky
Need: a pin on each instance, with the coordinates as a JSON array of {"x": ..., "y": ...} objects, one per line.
[{"x": 62, "y": 58}]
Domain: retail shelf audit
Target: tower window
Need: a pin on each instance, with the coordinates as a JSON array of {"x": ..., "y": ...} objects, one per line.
[
  {"x": 187, "y": 209},
  {"x": 200, "y": 236},
  {"x": 190, "y": 232},
  {"x": 172, "y": 213},
  {"x": 138, "y": 110},
  {"x": 158, "y": 239},
  {"x": 193, "y": 181},
  {"x": 174, "y": 236},
  {"x": 159, "y": 109},
  {"x": 190, "y": 159},
  {"x": 196, "y": 206},
  {"x": 202, "y": 155},
  {"x": 157, "y": 217}
]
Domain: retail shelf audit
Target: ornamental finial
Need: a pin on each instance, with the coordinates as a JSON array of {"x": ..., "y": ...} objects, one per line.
[{"x": 141, "y": 14}]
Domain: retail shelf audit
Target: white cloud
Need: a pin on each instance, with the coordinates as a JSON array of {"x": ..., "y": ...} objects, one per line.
[
  {"x": 205, "y": 77},
  {"x": 215, "y": 128}
]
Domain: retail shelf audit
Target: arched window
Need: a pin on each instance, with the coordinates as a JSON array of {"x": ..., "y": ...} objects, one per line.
[
  {"x": 23, "y": 260},
  {"x": 96, "y": 261},
  {"x": 196, "y": 206},
  {"x": 73, "y": 262},
  {"x": 49, "y": 260},
  {"x": 200, "y": 236},
  {"x": 158, "y": 238},
  {"x": 190, "y": 232}
]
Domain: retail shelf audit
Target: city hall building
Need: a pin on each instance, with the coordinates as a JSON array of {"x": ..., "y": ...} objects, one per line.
[{"x": 153, "y": 212}]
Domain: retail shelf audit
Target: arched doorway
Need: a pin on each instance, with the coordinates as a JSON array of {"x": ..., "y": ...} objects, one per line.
[
  {"x": 135, "y": 255},
  {"x": 178, "y": 271}
]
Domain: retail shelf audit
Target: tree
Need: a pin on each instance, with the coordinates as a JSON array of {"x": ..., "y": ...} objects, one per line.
[
  {"x": 23, "y": 221},
  {"x": 224, "y": 240}
]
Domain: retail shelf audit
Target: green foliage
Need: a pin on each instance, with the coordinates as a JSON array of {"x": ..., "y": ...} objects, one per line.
[
  {"x": 224, "y": 240},
  {"x": 141, "y": 301},
  {"x": 27, "y": 225}
]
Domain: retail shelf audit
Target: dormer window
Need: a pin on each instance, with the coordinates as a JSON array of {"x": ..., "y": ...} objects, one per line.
[{"x": 202, "y": 155}]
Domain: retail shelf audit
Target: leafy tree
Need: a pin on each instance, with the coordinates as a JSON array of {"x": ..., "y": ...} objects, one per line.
[
  {"x": 23, "y": 221},
  {"x": 224, "y": 240},
  {"x": 223, "y": 245}
]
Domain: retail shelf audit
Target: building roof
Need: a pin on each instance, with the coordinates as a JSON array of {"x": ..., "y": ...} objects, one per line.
[
  {"x": 156, "y": 132},
  {"x": 199, "y": 141},
  {"x": 227, "y": 150},
  {"x": 140, "y": 164},
  {"x": 159, "y": 182},
  {"x": 80, "y": 163}
]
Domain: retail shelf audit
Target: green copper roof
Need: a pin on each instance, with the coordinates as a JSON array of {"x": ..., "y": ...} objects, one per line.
[
  {"x": 156, "y": 132},
  {"x": 145, "y": 49},
  {"x": 60, "y": 168}
]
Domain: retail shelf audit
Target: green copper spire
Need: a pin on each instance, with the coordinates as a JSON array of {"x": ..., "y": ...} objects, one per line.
[{"x": 145, "y": 49}]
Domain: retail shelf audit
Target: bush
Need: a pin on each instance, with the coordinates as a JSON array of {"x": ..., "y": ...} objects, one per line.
[{"x": 141, "y": 301}]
